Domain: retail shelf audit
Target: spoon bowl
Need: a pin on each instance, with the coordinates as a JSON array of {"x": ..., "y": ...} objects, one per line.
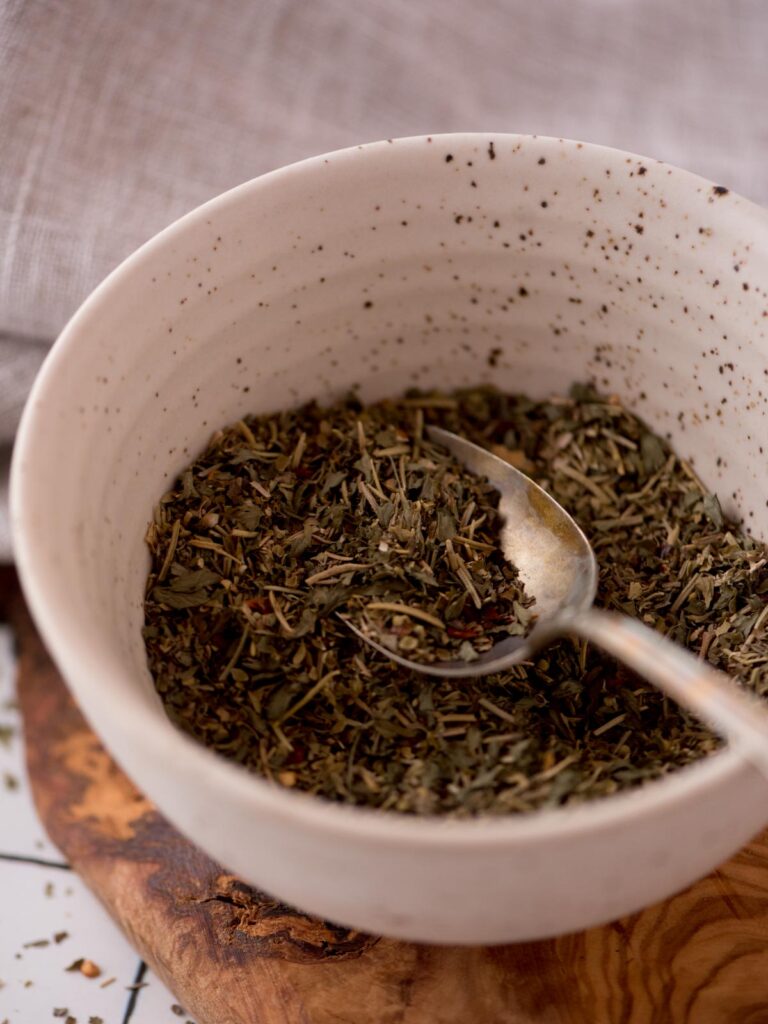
[{"x": 549, "y": 550}]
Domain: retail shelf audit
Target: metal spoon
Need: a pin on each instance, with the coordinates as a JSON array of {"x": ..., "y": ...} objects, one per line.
[{"x": 558, "y": 567}]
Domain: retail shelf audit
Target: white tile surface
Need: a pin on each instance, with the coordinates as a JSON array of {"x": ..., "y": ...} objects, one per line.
[
  {"x": 35, "y": 904},
  {"x": 20, "y": 831},
  {"x": 38, "y": 901},
  {"x": 155, "y": 1005}
]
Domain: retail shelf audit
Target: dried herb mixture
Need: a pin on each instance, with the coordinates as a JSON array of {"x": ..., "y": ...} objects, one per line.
[{"x": 287, "y": 519}]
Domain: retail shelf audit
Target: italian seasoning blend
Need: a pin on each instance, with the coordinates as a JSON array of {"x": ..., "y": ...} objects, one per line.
[{"x": 287, "y": 519}]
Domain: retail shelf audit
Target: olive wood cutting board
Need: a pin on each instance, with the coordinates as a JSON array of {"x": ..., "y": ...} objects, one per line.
[{"x": 233, "y": 955}]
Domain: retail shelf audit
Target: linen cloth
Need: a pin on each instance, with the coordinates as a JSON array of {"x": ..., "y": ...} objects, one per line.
[{"x": 117, "y": 116}]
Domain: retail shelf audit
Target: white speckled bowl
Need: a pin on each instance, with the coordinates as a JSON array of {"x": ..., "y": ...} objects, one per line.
[{"x": 388, "y": 265}]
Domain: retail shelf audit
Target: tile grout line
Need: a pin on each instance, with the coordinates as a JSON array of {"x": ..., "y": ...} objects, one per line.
[
  {"x": 133, "y": 997},
  {"x": 20, "y": 858}
]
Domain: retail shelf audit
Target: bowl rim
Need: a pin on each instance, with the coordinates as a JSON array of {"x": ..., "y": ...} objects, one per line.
[{"x": 141, "y": 725}]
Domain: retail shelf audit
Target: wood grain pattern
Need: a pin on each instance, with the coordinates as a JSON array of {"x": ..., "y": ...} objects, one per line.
[{"x": 233, "y": 955}]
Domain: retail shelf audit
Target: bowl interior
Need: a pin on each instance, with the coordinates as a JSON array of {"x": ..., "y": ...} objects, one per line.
[{"x": 527, "y": 263}]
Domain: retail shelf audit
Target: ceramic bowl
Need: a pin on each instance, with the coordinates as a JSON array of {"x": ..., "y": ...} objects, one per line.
[{"x": 438, "y": 261}]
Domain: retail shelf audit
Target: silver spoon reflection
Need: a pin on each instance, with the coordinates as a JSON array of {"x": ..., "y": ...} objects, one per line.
[{"x": 558, "y": 568}]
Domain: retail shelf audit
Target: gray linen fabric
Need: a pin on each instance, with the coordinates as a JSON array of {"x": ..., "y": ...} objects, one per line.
[{"x": 117, "y": 116}]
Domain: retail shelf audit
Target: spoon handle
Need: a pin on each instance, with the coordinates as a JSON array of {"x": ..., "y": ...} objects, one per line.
[{"x": 740, "y": 717}]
